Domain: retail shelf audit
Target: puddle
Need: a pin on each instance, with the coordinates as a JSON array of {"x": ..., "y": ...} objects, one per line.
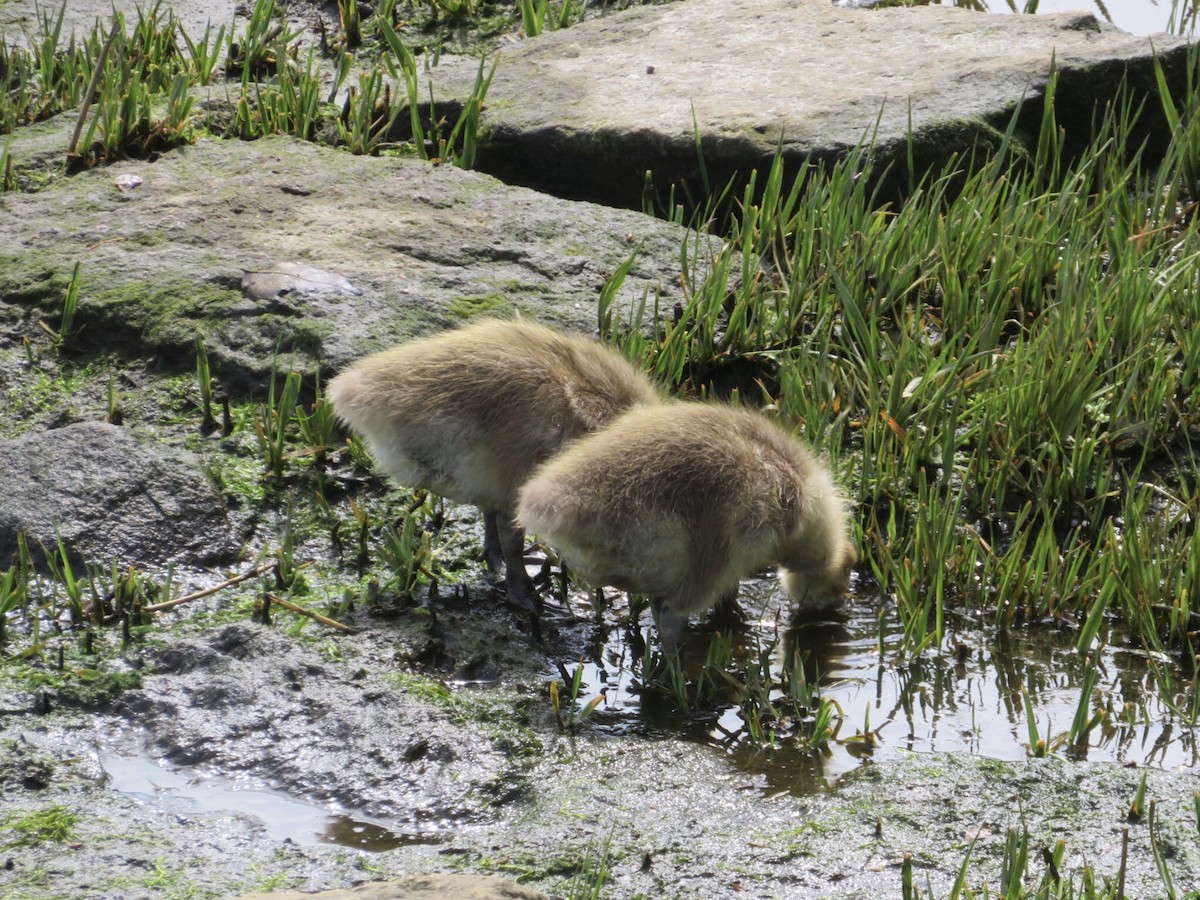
[
  {"x": 283, "y": 817},
  {"x": 968, "y": 698}
]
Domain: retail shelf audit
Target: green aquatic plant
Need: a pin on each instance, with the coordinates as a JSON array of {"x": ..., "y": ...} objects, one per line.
[
  {"x": 1038, "y": 745},
  {"x": 287, "y": 569},
  {"x": 63, "y": 572},
  {"x": 1016, "y": 881},
  {"x": 272, "y": 423},
  {"x": 351, "y": 22},
  {"x": 70, "y": 307},
  {"x": 8, "y": 178},
  {"x": 1180, "y": 110},
  {"x": 1000, "y": 365},
  {"x": 536, "y": 15},
  {"x": 133, "y": 71},
  {"x": 1085, "y": 720},
  {"x": 263, "y": 46},
  {"x": 460, "y": 144},
  {"x": 1161, "y": 854},
  {"x": 14, "y": 593},
  {"x": 298, "y": 109},
  {"x": 407, "y": 549},
  {"x": 289, "y": 104},
  {"x": 592, "y": 875},
  {"x": 1137, "y": 806},
  {"x": 204, "y": 54},
  {"x": 204, "y": 381},
  {"x": 318, "y": 427},
  {"x": 42, "y": 78},
  {"x": 369, "y": 115},
  {"x": 576, "y": 714}
]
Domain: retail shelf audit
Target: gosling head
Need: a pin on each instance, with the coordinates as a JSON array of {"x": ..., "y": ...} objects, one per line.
[{"x": 816, "y": 557}]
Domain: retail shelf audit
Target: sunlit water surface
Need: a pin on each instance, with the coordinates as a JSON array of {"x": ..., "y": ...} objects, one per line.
[
  {"x": 283, "y": 817},
  {"x": 1134, "y": 16},
  {"x": 967, "y": 697}
]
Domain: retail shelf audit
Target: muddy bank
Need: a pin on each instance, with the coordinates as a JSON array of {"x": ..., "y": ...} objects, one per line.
[{"x": 404, "y": 775}]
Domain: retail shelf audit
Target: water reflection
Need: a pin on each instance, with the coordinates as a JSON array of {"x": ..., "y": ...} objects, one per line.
[
  {"x": 282, "y": 816},
  {"x": 968, "y": 696}
]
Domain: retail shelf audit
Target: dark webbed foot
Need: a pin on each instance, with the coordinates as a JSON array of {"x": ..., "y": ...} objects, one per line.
[
  {"x": 728, "y": 612},
  {"x": 520, "y": 590}
]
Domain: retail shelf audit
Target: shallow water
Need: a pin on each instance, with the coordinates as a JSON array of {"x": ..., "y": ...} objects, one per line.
[
  {"x": 1133, "y": 16},
  {"x": 282, "y": 816},
  {"x": 967, "y": 698}
]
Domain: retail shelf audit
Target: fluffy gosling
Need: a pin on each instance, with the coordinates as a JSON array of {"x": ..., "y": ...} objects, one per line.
[
  {"x": 470, "y": 413},
  {"x": 681, "y": 501}
]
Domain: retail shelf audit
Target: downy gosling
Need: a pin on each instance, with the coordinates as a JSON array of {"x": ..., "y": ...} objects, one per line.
[
  {"x": 470, "y": 413},
  {"x": 681, "y": 501}
]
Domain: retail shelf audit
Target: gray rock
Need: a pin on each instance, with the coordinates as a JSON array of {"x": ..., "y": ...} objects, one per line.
[
  {"x": 110, "y": 497},
  {"x": 289, "y": 278},
  {"x": 419, "y": 887},
  {"x": 425, "y": 247},
  {"x": 585, "y": 111}
]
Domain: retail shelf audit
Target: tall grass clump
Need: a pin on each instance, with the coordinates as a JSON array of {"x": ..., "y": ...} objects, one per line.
[
  {"x": 384, "y": 107},
  {"x": 132, "y": 83},
  {"x": 44, "y": 77},
  {"x": 537, "y": 15},
  {"x": 1001, "y": 366}
]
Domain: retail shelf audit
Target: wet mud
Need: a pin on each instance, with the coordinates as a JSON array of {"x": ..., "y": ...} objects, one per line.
[{"x": 248, "y": 756}]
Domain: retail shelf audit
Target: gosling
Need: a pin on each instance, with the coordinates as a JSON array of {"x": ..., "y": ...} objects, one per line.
[
  {"x": 470, "y": 413},
  {"x": 681, "y": 501}
]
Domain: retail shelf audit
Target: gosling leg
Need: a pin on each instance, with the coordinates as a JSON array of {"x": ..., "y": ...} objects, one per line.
[
  {"x": 671, "y": 625},
  {"x": 517, "y": 583},
  {"x": 493, "y": 553}
]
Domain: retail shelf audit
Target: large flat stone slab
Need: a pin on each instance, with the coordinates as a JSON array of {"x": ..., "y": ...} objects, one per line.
[
  {"x": 586, "y": 111},
  {"x": 392, "y": 248}
]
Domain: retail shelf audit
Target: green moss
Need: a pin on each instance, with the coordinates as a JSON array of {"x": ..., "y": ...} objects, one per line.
[
  {"x": 469, "y": 307},
  {"x": 506, "y": 722},
  {"x": 165, "y": 315},
  {"x": 428, "y": 689},
  {"x": 996, "y": 768},
  {"x": 148, "y": 239},
  {"x": 90, "y": 688},
  {"x": 280, "y": 881},
  {"x": 79, "y": 686},
  {"x": 28, "y": 280},
  {"x": 30, "y": 828},
  {"x": 41, "y": 392},
  {"x": 531, "y": 866},
  {"x": 238, "y": 473}
]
